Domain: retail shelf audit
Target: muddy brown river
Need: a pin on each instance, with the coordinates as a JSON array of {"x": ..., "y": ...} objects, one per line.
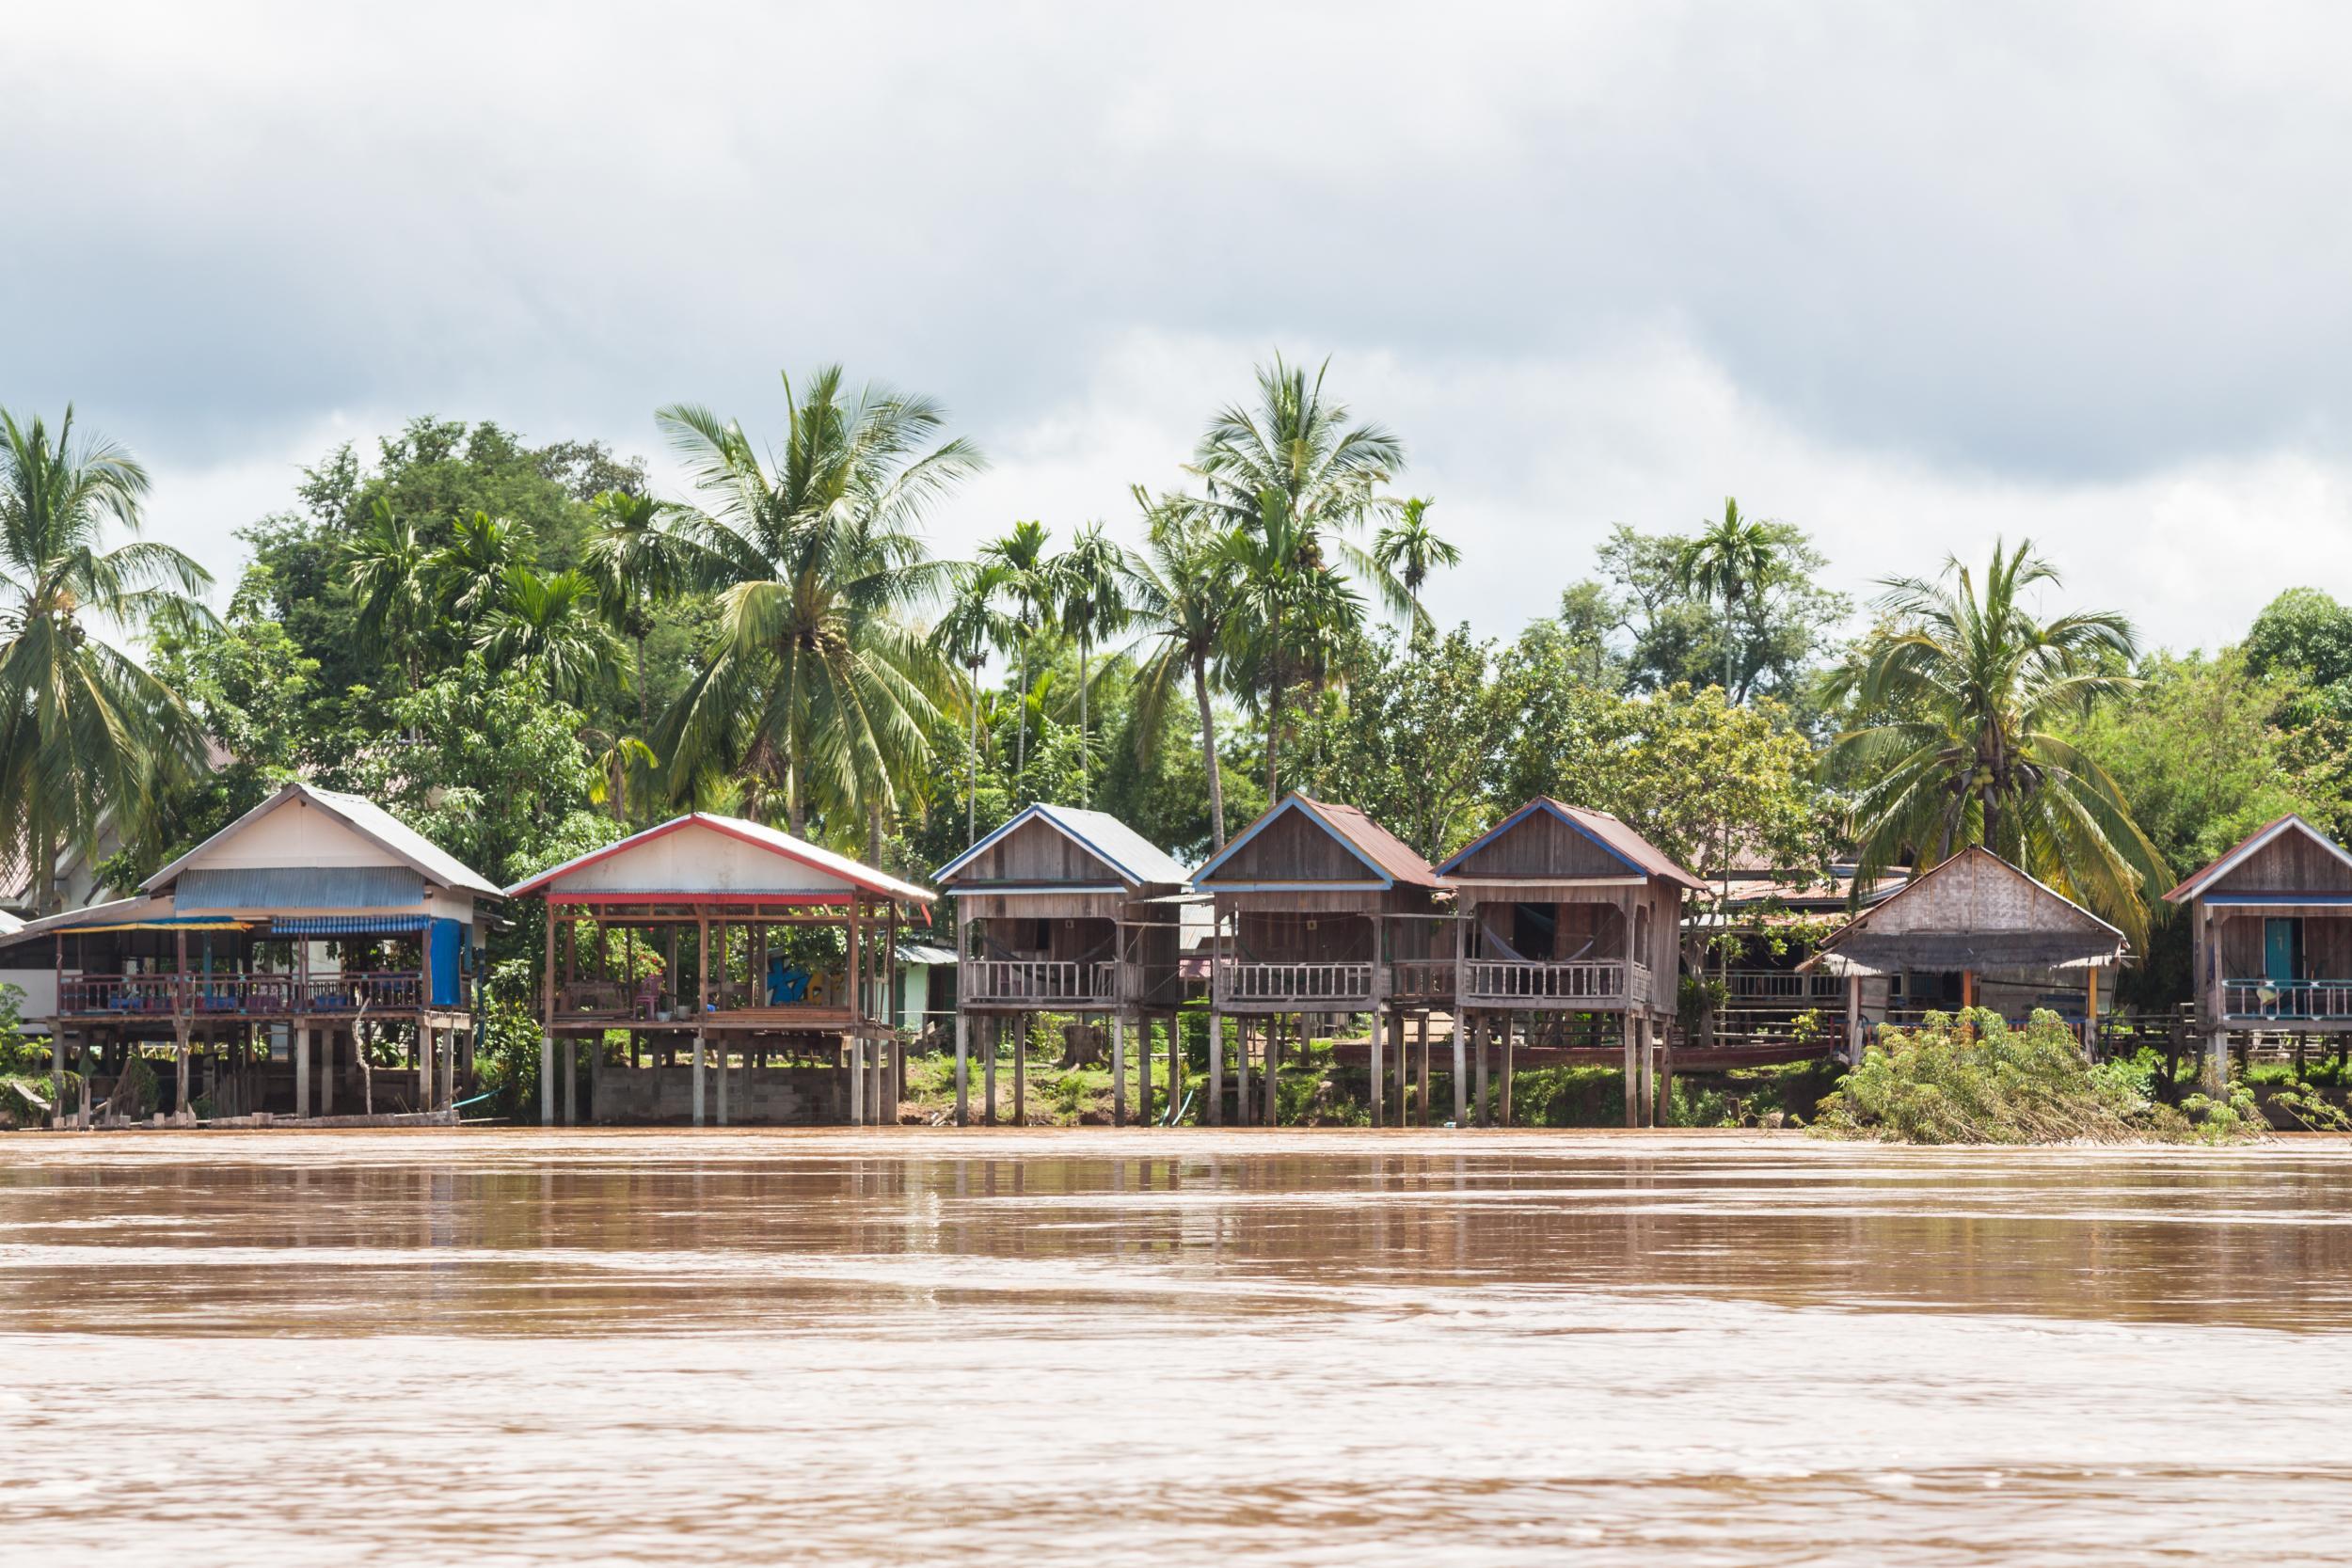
[{"x": 1150, "y": 1347}]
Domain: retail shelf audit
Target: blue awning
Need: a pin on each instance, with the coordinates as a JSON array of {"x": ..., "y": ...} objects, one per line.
[{"x": 348, "y": 925}]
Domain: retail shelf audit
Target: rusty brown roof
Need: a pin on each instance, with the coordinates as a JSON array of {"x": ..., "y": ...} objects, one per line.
[{"x": 1391, "y": 854}]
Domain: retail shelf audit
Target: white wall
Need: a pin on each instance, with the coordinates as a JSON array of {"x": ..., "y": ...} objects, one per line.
[
  {"x": 699, "y": 859},
  {"x": 296, "y": 833}
]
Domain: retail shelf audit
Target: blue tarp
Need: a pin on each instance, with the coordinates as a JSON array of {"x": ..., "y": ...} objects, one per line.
[
  {"x": 441, "y": 952},
  {"x": 350, "y": 925}
]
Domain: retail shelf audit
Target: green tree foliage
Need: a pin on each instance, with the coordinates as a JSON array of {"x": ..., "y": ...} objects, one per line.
[
  {"x": 86, "y": 731},
  {"x": 1414, "y": 739},
  {"x": 2305, "y": 632},
  {"x": 1965, "y": 697}
]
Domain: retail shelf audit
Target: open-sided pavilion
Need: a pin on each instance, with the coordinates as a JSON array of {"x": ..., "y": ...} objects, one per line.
[{"x": 765, "y": 962}]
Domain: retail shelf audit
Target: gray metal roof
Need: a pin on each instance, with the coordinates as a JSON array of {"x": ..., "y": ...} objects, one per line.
[{"x": 365, "y": 817}]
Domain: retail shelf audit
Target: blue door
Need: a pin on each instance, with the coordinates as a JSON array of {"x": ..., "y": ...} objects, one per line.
[{"x": 2282, "y": 950}]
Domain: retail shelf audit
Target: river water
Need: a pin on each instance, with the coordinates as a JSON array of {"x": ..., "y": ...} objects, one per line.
[{"x": 1153, "y": 1347}]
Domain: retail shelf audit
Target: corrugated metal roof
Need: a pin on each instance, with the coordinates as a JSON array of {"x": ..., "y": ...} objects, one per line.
[
  {"x": 1391, "y": 853},
  {"x": 758, "y": 834},
  {"x": 363, "y": 817},
  {"x": 1609, "y": 832},
  {"x": 299, "y": 887},
  {"x": 1099, "y": 834}
]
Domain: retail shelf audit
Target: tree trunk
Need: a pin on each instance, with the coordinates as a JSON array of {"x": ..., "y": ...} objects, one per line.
[
  {"x": 1084, "y": 797},
  {"x": 971, "y": 790},
  {"x": 1021, "y": 734},
  {"x": 1273, "y": 737},
  {"x": 874, "y": 834},
  {"x": 640, "y": 686},
  {"x": 1208, "y": 750}
]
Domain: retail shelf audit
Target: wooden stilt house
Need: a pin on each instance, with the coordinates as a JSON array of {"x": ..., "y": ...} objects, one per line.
[
  {"x": 763, "y": 961},
  {"x": 1567, "y": 913},
  {"x": 2270, "y": 938},
  {"x": 1974, "y": 932},
  {"x": 1322, "y": 913},
  {"x": 317, "y": 957},
  {"x": 1068, "y": 912}
]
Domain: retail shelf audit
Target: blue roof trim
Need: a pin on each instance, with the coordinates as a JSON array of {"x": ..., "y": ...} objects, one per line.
[
  {"x": 1520, "y": 816},
  {"x": 1291, "y": 802},
  {"x": 2276, "y": 898}
]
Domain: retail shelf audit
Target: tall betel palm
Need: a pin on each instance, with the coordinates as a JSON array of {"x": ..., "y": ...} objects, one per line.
[
  {"x": 817, "y": 681},
  {"x": 1728, "y": 561},
  {"x": 552, "y": 626},
  {"x": 392, "y": 582},
  {"x": 1408, "y": 549},
  {"x": 85, "y": 729},
  {"x": 974, "y": 626},
  {"x": 1292, "y": 614},
  {"x": 1183, "y": 601},
  {"x": 1030, "y": 583},
  {"x": 1091, "y": 579},
  {"x": 1966, "y": 691},
  {"x": 637, "y": 560}
]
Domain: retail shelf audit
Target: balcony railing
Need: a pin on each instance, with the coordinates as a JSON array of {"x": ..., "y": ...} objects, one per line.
[
  {"x": 1421, "y": 977},
  {"x": 2288, "y": 1000},
  {"x": 239, "y": 995},
  {"x": 1503, "y": 982},
  {"x": 1308, "y": 984},
  {"x": 1042, "y": 981}
]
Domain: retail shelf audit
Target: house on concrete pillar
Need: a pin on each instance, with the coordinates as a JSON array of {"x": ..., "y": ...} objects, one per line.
[
  {"x": 721, "y": 970},
  {"x": 1064, "y": 910},
  {"x": 1974, "y": 932},
  {"x": 2270, "y": 934},
  {"x": 317, "y": 957},
  {"x": 1568, "y": 911}
]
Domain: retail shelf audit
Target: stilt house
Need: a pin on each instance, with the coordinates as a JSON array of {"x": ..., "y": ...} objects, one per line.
[
  {"x": 1064, "y": 910},
  {"x": 763, "y": 961},
  {"x": 313, "y": 926},
  {"x": 1974, "y": 932},
  {"x": 1565, "y": 911},
  {"x": 2270, "y": 934},
  {"x": 1320, "y": 912}
]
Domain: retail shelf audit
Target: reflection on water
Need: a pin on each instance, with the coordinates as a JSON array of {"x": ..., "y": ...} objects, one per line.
[{"x": 1095, "y": 1347}]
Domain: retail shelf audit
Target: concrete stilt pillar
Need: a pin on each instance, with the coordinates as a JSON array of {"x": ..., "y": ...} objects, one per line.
[
  {"x": 721, "y": 1067},
  {"x": 56, "y": 1079},
  {"x": 1216, "y": 1069},
  {"x": 302, "y": 1071},
  {"x": 2216, "y": 1063},
  {"x": 1119, "y": 1069},
  {"x": 1175, "y": 1066},
  {"x": 1021, "y": 1070},
  {"x": 1379, "y": 1096},
  {"x": 185, "y": 1108},
  {"x": 698, "y": 1077},
  {"x": 964, "y": 1067},
  {"x": 1273, "y": 1069},
  {"x": 1485, "y": 1036},
  {"x": 1662, "y": 1045},
  {"x": 571, "y": 1081},
  {"x": 547, "y": 1080},
  {"x": 1241, "y": 1070},
  {"x": 596, "y": 1076},
  {"x": 327, "y": 1073},
  {"x": 853, "y": 1056},
  {"x": 426, "y": 1036}
]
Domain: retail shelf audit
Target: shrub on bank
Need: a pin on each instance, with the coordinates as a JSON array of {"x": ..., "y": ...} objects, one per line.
[{"x": 1971, "y": 1079}]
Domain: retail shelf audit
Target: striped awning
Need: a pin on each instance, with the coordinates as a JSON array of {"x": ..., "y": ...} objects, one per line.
[{"x": 348, "y": 925}]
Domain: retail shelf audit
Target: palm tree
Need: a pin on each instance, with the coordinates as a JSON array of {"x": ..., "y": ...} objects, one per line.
[
  {"x": 1029, "y": 580},
  {"x": 552, "y": 625},
  {"x": 817, "y": 678},
  {"x": 1293, "y": 614},
  {"x": 1092, "y": 576},
  {"x": 1969, "y": 690},
  {"x": 974, "y": 626},
  {"x": 85, "y": 729},
  {"x": 1408, "y": 549},
  {"x": 392, "y": 584},
  {"x": 1327, "y": 471},
  {"x": 637, "y": 560},
  {"x": 1730, "y": 559},
  {"x": 1184, "y": 599},
  {"x": 469, "y": 573}
]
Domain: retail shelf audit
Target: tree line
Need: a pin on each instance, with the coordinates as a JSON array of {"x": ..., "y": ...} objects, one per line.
[{"x": 527, "y": 652}]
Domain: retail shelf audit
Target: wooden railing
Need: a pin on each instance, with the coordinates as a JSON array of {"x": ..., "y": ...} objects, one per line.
[
  {"x": 239, "y": 995},
  {"x": 1501, "y": 982},
  {"x": 1421, "y": 977},
  {"x": 2288, "y": 1000},
  {"x": 1043, "y": 981},
  {"x": 1336, "y": 984},
  {"x": 1785, "y": 985}
]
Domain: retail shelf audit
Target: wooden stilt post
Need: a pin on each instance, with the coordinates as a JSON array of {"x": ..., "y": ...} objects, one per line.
[
  {"x": 1421, "y": 1055},
  {"x": 1119, "y": 1067},
  {"x": 1482, "y": 1025},
  {"x": 995, "y": 1033},
  {"x": 596, "y": 1075},
  {"x": 1461, "y": 1072},
  {"x": 964, "y": 1067},
  {"x": 1241, "y": 1070},
  {"x": 1854, "y": 1017},
  {"x": 1632, "y": 1070},
  {"x": 2091, "y": 1024},
  {"x": 547, "y": 1026},
  {"x": 1273, "y": 1069},
  {"x": 1143, "y": 1081},
  {"x": 1510, "y": 1041},
  {"x": 1398, "y": 1037},
  {"x": 1379, "y": 1078},
  {"x": 1175, "y": 1065},
  {"x": 1216, "y": 1069},
  {"x": 1021, "y": 1070}
]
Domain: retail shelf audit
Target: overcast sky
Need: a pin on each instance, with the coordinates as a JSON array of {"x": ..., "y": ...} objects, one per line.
[{"x": 1908, "y": 277}]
